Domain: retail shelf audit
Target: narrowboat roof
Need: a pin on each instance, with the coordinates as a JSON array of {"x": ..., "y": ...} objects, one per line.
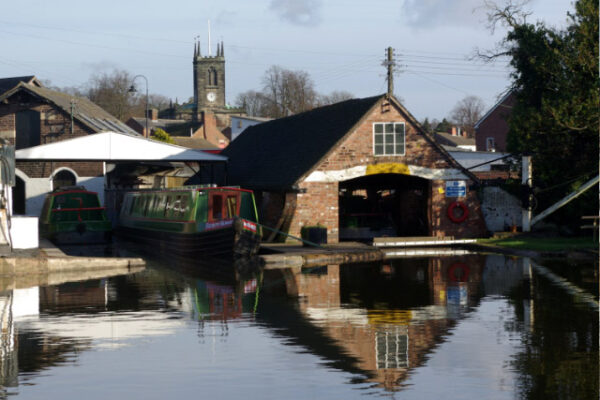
[
  {"x": 114, "y": 146},
  {"x": 192, "y": 188}
]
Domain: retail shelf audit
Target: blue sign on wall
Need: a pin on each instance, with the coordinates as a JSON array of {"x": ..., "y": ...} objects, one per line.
[{"x": 456, "y": 188}]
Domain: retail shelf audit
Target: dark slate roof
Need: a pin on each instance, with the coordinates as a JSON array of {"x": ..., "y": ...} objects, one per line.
[
  {"x": 9, "y": 83},
  {"x": 277, "y": 153},
  {"x": 85, "y": 111}
]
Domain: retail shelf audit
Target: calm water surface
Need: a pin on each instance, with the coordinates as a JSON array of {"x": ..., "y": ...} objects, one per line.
[{"x": 468, "y": 327}]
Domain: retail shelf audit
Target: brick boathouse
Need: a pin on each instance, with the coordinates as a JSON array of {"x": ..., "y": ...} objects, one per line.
[{"x": 362, "y": 168}]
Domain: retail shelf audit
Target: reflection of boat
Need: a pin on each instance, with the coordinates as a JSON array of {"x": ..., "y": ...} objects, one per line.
[
  {"x": 213, "y": 221},
  {"x": 216, "y": 301},
  {"x": 74, "y": 215}
]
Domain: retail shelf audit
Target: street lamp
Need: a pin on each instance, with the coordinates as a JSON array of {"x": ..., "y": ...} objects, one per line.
[{"x": 133, "y": 90}]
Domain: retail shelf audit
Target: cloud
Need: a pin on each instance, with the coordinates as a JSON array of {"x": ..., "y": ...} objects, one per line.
[
  {"x": 298, "y": 12},
  {"x": 430, "y": 13}
]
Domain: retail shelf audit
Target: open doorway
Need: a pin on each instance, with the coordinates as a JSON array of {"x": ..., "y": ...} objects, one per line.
[
  {"x": 383, "y": 205},
  {"x": 18, "y": 196},
  {"x": 63, "y": 178}
]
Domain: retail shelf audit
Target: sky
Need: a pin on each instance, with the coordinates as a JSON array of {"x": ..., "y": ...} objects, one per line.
[{"x": 340, "y": 43}]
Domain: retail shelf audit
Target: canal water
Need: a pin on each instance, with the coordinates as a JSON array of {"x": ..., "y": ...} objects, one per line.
[{"x": 453, "y": 327}]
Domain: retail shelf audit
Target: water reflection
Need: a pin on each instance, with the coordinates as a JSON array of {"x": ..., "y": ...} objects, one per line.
[{"x": 472, "y": 326}]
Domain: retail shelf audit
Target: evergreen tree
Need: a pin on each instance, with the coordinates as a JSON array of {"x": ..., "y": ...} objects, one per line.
[{"x": 555, "y": 118}]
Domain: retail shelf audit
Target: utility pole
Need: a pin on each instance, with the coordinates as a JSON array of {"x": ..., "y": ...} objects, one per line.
[{"x": 390, "y": 64}]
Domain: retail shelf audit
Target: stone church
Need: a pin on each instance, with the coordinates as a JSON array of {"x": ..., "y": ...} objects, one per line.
[
  {"x": 209, "y": 80},
  {"x": 206, "y": 118}
]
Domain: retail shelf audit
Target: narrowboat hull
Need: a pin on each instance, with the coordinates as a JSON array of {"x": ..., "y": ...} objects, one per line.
[
  {"x": 82, "y": 234},
  {"x": 188, "y": 221},
  {"x": 73, "y": 215},
  {"x": 231, "y": 241}
]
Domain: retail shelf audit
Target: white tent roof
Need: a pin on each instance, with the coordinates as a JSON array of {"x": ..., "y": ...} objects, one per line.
[{"x": 113, "y": 146}]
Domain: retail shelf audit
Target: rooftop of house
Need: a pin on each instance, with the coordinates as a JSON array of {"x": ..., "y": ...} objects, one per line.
[
  {"x": 9, "y": 83},
  {"x": 452, "y": 140},
  {"x": 164, "y": 124},
  {"x": 194, "y": 143},
  {"x": 248, "y": 118},
  {"x": 275, "y": 155},
  {"x": 85, "y": 111}
]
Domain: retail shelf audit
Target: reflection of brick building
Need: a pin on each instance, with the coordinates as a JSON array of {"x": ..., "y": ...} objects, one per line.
[{"x": 389, "y": 342}]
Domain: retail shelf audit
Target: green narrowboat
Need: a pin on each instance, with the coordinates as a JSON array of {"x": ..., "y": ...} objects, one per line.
[
  {"x": 73, "y": 215},
  {"x": 208, "y": 220}
]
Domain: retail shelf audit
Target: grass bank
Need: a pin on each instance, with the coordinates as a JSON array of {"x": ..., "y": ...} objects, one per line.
[{"x": 554, "y": 244}]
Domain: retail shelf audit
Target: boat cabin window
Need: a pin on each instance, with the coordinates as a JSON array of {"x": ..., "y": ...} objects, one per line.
[
  {"x": 217, "y": 207},
  {"x": 184, "y": 206},
  {"x": 224, "y": 205},
  {"x": 231, "y": 206},
  {"x": 167, "y": 206},
  {"x": 146, "y": 205},
  {"x": 177, "y": 207}
]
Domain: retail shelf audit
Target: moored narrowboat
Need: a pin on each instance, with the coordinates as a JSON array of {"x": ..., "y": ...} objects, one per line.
[
  {"x": 209, "y": 220},
  {"x": 73, "y": 215}
]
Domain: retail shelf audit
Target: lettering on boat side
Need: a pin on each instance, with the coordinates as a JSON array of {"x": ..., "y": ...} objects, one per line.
[{"x": 218, "y": 224}]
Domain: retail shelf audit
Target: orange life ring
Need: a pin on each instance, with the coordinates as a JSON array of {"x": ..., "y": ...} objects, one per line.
[
  {"x": 463, "y": 207},
  {"x": 459, "y": 266}
]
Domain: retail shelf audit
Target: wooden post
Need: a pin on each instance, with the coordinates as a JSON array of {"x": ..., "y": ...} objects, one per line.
[{"x": 526, "y": 179}]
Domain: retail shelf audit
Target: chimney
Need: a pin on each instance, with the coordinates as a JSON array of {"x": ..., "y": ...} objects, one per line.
[
  {"x": 209, "y": 123},
  {"x": 152, "y": 114}
]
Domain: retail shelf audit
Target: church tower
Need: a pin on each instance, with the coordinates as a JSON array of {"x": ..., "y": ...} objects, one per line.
[{"x": 209, "y": 79}]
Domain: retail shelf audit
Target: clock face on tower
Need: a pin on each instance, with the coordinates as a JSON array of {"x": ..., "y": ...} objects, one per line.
[{"x": 211, "y": 96}]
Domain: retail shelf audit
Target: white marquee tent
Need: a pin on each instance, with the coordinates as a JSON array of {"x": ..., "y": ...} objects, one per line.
[{"x": 113, "y": 147}]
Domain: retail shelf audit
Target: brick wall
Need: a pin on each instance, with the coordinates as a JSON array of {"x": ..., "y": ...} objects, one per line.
[
  {"x": 357, "y": 149},
  {"x": 44, "y": 169},
  {"x": 55, "y": 124},
  {"x": 495, "y": 126},
  {"x": 442, "y": 225},
  {"x": 319, "y": 205}
]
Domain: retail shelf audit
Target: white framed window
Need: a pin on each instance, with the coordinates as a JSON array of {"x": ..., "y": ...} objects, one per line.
[
  {"x": 389, "y": 138},
  {"x": 490, "y": 144}
]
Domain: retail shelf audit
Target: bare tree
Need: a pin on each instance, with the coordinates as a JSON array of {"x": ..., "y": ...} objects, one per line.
[
  {"x": 158, "y": 101},
  {"x": 287, "y": 92},
  {"x": 111, "y": 92},
  {"x": 253, "y": 102},
  {"x": 334, "y": 97},
  {"x": 466, "y": 113}
]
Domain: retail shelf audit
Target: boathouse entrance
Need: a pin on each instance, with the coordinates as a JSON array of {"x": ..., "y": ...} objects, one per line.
[{"x": 383, "y": 205}]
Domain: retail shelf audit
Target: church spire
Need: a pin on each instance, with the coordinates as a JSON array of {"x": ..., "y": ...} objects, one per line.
[
  {"x": 218, "y": 50},
  {"x": 222, "y": 49}
]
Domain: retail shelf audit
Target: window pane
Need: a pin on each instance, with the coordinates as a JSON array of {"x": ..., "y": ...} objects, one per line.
[
  {"x": 378, "y": 149},
  {"x": 378, "y": 139},
  {"x": 389, "y": 138},
  {"x": 389, "y": 128},
  {"x": 399, "y": 128},
  {"x": 389, "y": 149},
  {"x": 399, "y": 148},
  {"x": 378, "y": 128},
  {"x": 217, "y": 205}
]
